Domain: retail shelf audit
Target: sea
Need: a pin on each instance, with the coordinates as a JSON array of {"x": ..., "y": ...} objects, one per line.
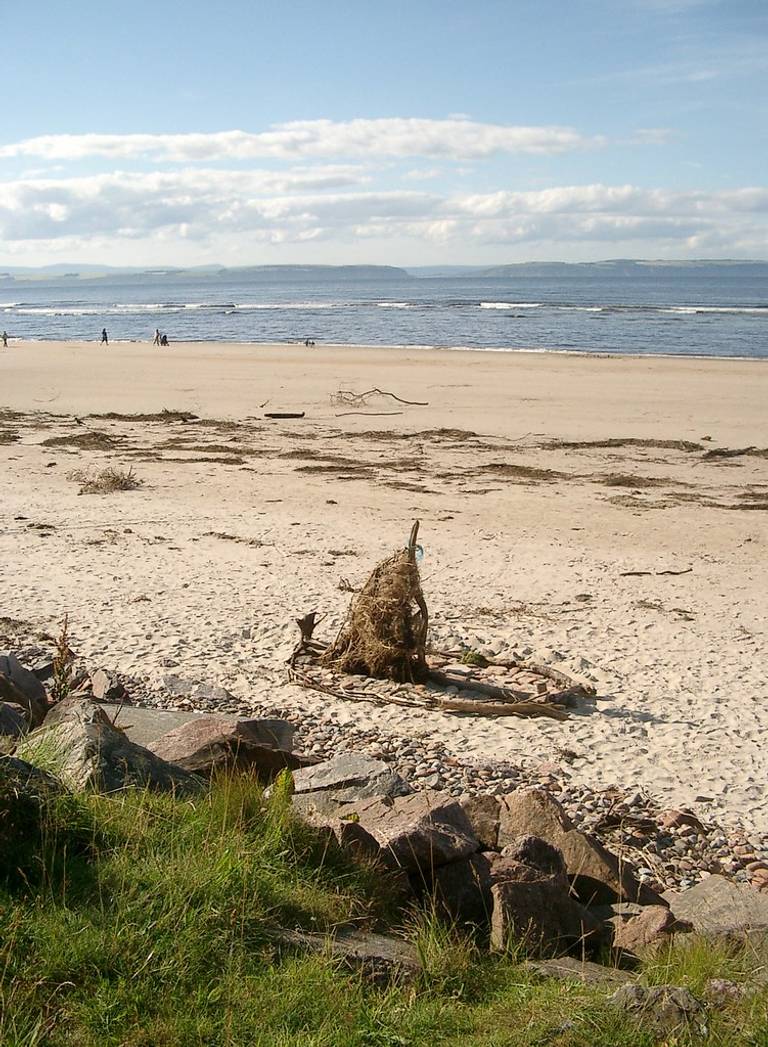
[{"x": 718, "y": 311}]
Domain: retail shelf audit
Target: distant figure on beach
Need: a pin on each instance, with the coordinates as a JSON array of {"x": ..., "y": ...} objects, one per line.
[
  {"x": 5, "y": 339},
  {"x": 308, "y": 342},
  {"x": 157, "y": 336},
  {"x": 163, "y": 339},
  {"x": 104, "y": 339}
]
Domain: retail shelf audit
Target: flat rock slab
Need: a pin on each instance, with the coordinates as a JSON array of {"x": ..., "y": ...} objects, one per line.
[
  {"x": 348, "y": 778},
  {"x": 717, "y": 906},
  {"x": 569, "y": 969},
  {"x": 145, "y": 725},
  {"x": 377, "y": 957},
  {"x": 664, "y": 1009}
]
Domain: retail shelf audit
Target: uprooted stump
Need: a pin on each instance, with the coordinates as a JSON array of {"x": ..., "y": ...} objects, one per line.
[{"x": 385, "y": 632}]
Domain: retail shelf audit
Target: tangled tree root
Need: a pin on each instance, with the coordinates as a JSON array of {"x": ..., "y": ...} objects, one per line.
[{"x": 385, "y": 632}]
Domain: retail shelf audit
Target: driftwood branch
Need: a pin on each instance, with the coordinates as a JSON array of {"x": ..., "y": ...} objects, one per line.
[{"x": 347, "y": 397}]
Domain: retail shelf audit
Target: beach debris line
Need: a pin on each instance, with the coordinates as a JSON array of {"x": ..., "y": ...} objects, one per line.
[{"x": 384, "y": 637}]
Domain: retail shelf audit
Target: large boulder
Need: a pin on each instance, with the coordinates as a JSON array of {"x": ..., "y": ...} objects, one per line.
[
  {"x": 21, "y": 687},
  {"x": 597, "y": 876},
  {"x": 717, "y": 907},
  {"x": 533, "y": 909},
  {"x": 463, "y": 890},
  {"x": 419, "y": 832},
  {"x": 209, "y": 743},
  {"x": 345, "y": 779},
  {"x": 90, "y": 753}
]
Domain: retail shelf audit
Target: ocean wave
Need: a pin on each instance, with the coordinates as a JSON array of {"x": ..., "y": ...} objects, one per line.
[
  {"x": 290, "y": 305},
  {"x": 693, "y": 310},
  {"x": 396, "y": 305},
  {"x": 510, "y": 305}
]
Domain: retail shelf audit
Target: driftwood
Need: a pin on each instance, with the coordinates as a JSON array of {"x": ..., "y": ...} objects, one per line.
[
  {"x": 448, "y": 705},
  {"x": 346, "y": 396},
  {"x": 382, "y": 635},
  {"x": 368, "y": 414},
  {"x": 642, "y": 574},
  {"x": 283, "y": 414}
]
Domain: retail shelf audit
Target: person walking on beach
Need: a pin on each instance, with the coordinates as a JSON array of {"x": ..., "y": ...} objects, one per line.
[
  {"x": 157, "y": 336},
  {"x": 104, "y": 339},
  {"x": 5, "y": 339}
]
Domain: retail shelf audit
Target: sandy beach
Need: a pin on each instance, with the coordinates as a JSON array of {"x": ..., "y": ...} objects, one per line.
[{"x": 572, "y": 510}]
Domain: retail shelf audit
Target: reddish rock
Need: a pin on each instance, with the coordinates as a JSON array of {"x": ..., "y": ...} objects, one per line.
[
  {"x": 672, "y": 819},
  {"x": 534, "y": 909},
  {"x": 419, "y": 832},
  {"x": 598, "y": 877},
  {"x": 647, "y": 932},
  {"x": 209, "y": 743}
]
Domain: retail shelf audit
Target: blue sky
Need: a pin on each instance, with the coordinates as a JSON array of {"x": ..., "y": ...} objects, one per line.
[{"x": 429, "y": 132}]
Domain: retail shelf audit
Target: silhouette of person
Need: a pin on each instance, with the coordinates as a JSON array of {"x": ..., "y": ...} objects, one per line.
[
  {"x": 104, "y": 338},
  {"x": 157, "y": 336},
  {"x": 5, "y": 339},
  {"x": 164, "y": 339}
]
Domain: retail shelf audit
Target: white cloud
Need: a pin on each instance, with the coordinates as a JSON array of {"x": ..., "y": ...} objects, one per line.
[
  {"x": 182, "y": 211},
  {"x": 395, "y": 137}
]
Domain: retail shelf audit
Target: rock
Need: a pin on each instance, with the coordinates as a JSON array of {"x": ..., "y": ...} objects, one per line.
[
  {"x": 346, "y": 779},
  {"x": 673, "y": 819},
  {"x": 721, "y": 908},
  {"x": 534, "y": 909},
  {"x": 646, "y": 933},
  {"x": 207, "y": 743},
  {"x": 209, "y": 692},
  {"x": 95, "y": 755},
  {"x": 569, "y": 968},
  {"x": 483, "y": 814},
  {"x": 105, "y": 688},
  {"x": 664, "y": 1009},
  {"x": 419, "y": 832},
  {"x": 722, "y": 991},
  {"x": 597, "y": 875},
  {"x": 463, "y": 891},
  {"x": 38, "y": 660},
  {"x": 21, "y": 687},
  {"x": 13, "y": 720},
  {"x": 378, "y": 958},
  {"x": 533, "y": 851}
]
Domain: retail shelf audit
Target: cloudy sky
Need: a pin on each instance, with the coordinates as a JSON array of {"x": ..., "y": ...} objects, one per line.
[{"x": 420, "y": 132}]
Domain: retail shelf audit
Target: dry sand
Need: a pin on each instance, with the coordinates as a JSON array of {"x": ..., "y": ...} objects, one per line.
[{"x": 243, "y": 523}]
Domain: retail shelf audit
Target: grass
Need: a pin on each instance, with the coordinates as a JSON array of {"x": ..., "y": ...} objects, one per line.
[
  {"x": 105, "y": 482},
  {"x": 143, "y": 921}
]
